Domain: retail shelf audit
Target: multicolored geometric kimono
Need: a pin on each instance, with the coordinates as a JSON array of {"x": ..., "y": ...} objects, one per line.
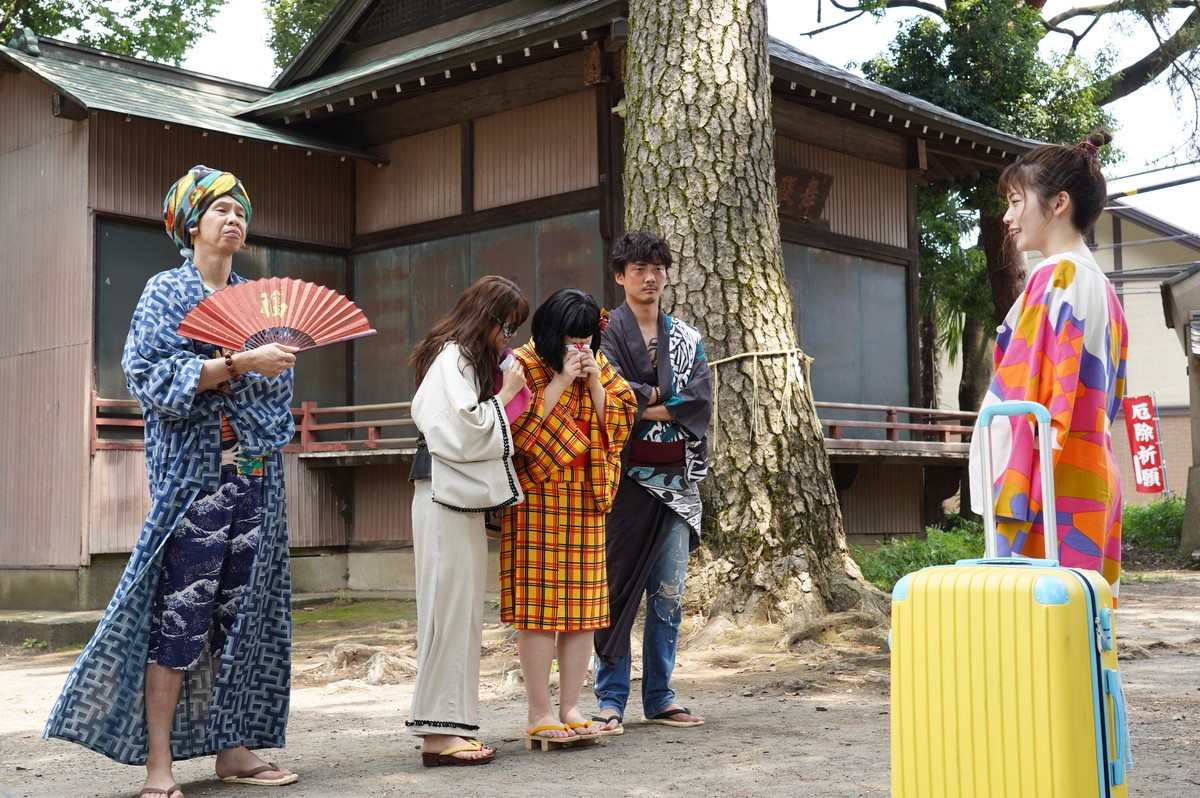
[
  {"x": 102, "y": 705},
  {"x": 552, "y": 565},
  {"x": 654, "y": 492},
  {"x": 1062, "y": 345}
]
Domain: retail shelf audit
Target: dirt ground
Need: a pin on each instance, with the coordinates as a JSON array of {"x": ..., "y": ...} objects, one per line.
[{"x": 805, "y": 722}]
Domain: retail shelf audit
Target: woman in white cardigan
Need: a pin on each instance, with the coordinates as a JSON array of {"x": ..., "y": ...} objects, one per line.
[{"x": 467, "y": 393}]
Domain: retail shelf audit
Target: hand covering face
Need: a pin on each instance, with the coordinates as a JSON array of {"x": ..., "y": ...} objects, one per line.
[{"x": 189, "y": 198}]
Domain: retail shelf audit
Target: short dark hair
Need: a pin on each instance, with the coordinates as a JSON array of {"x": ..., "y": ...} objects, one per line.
[
  {"x": 568, "y": 312},
  {"x": 640, "y": 247}
]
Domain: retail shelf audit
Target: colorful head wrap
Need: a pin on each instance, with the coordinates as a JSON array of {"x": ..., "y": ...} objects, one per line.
[{"x": 189, "y": 198}]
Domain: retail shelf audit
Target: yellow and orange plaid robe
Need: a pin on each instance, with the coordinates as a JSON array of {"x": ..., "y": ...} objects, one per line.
[{"x": 552, "y": 564}]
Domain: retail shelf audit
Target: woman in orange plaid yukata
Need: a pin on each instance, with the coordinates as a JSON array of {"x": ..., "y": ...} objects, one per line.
[{"x": 553, "y": 579}]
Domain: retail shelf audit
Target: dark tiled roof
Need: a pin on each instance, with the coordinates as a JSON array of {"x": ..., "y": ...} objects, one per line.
[
  {"x": 1155, "y": 224},
  {"x": 101, "y": 81},
  {"x": 459, "y": 50},
  {"x": 788, "y": 63},
  {"x": 567, "y": 18}
]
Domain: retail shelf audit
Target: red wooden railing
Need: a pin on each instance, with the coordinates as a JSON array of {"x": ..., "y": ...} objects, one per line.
[
  {"x": 115, "y": 416},
  {"x": 319, "y": 430},
  {"x": 939, "y": 426},
  {"x": 309, "y": 427}
]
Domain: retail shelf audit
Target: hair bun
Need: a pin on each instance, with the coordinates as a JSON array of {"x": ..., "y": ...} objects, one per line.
[{"x": 1090, "y": 146}]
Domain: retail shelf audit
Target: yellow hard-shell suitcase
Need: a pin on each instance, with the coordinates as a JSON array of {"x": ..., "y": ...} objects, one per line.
[{"x": 1004, "y": 671}]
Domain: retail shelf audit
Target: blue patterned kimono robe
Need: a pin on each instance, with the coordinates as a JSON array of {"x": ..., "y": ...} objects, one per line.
[{"x": 102, "y": 705}]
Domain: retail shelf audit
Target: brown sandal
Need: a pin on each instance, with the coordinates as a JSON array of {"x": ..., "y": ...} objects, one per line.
[
  {"x": 167, "y": 791},
  {"x": 248, "y": 777}
]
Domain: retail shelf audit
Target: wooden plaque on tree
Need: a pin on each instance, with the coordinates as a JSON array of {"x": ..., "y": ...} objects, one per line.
[{"x": 802, "y": 192}]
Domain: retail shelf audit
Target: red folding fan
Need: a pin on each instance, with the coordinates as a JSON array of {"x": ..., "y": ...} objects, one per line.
[{"x": 275, "y": 310}]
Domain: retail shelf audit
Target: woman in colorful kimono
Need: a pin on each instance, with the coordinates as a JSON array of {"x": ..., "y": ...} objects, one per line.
[
  {"x": 463, "y": 471},
  {"x": 192, "y": 656},
  {"x": 553, "y": 580},
  {"x": 1062, "y": 345}
]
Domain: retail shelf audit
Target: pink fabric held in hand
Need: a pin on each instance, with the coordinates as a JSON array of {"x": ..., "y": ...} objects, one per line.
[{"x": 519, "y": 403}]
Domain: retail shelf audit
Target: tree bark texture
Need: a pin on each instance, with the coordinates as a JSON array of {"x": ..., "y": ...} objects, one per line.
[
  {"x": 931, "y": 371},
  {"x": 1005, "y": 267},
  {"x": 700, "y": 170},
  {"x": 1006, "y": 275},
  {"x": 977, "y": 344}
]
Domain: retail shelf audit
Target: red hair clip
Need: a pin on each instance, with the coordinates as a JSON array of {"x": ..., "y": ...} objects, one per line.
[{"x": 603, "y": 319}]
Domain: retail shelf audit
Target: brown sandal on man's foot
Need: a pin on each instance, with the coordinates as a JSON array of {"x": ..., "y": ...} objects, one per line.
[
  {"x": 248, "y": 776},
  {"x": 167, "y": 791},
  {"x": 667, "y": 718}
]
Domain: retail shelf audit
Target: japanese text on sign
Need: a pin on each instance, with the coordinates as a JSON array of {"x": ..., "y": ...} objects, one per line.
[{"x": 1145, "y": 444}]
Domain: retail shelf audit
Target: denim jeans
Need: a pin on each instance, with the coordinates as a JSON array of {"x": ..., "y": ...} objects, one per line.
[{"x": 664, "y": 609}]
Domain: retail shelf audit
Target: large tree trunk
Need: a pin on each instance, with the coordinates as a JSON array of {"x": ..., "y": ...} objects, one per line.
[
  {"x": 977, "y": 341},
  {"x": 700, "y": 169},
  {"x": 976, "y": 376},
  {"x": 931, "y": 370},
  {"x": 1006, "y": 271},
  {"x": 1006, "y": 274}
]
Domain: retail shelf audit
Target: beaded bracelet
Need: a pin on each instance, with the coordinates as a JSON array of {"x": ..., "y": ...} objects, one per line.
[{"x": 233, "y": 372}]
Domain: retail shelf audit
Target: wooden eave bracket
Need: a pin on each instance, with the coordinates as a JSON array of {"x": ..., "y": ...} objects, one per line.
[
  {"x": 918, "y": 157},
  {"x": 66, "y": 107}
]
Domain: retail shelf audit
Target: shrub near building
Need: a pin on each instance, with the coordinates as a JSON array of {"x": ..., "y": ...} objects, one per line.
[
  {"x": 961, "y": 539},
  {"x": 1151, "y": 535}
]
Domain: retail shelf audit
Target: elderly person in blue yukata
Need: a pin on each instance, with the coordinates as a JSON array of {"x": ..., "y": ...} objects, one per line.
[{"x": 193, "y": 654}]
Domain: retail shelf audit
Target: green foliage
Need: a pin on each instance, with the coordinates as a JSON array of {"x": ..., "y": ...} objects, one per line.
[
  {"x": 1067, "y": 108},
  {"x": 884, "y": 566},
  {"x": 1141, "y": 577},
  {"x": 33, "y": 642},
  {"x": 954, "y": 281},
  {"x": 977, "y": 60},
  {"x": 1157, "y": 525},
  {"x": 293, "y": 22},
  {"x": 155, "y": 29},
  {"x": 982, "y": 59}
]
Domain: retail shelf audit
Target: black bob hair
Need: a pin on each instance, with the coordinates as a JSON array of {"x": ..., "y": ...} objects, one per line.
[{"x": 566, "y": 313}]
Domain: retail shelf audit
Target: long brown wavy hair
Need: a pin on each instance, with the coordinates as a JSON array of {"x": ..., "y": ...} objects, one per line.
[{"x": 472, "y": 325}]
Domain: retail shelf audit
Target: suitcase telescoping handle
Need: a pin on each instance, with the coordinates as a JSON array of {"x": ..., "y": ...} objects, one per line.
[{"x": 1045, "y": 446}]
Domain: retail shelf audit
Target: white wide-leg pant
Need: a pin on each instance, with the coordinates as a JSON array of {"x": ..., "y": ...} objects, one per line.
[{"x": 451, "y": 556}]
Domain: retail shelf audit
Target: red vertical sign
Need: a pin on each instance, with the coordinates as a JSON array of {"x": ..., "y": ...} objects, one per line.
[{"x": 1145, "y": 443}]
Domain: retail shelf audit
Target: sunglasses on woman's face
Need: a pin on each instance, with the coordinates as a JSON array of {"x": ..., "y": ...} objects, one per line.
[{"x": 507, "y": 329}]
